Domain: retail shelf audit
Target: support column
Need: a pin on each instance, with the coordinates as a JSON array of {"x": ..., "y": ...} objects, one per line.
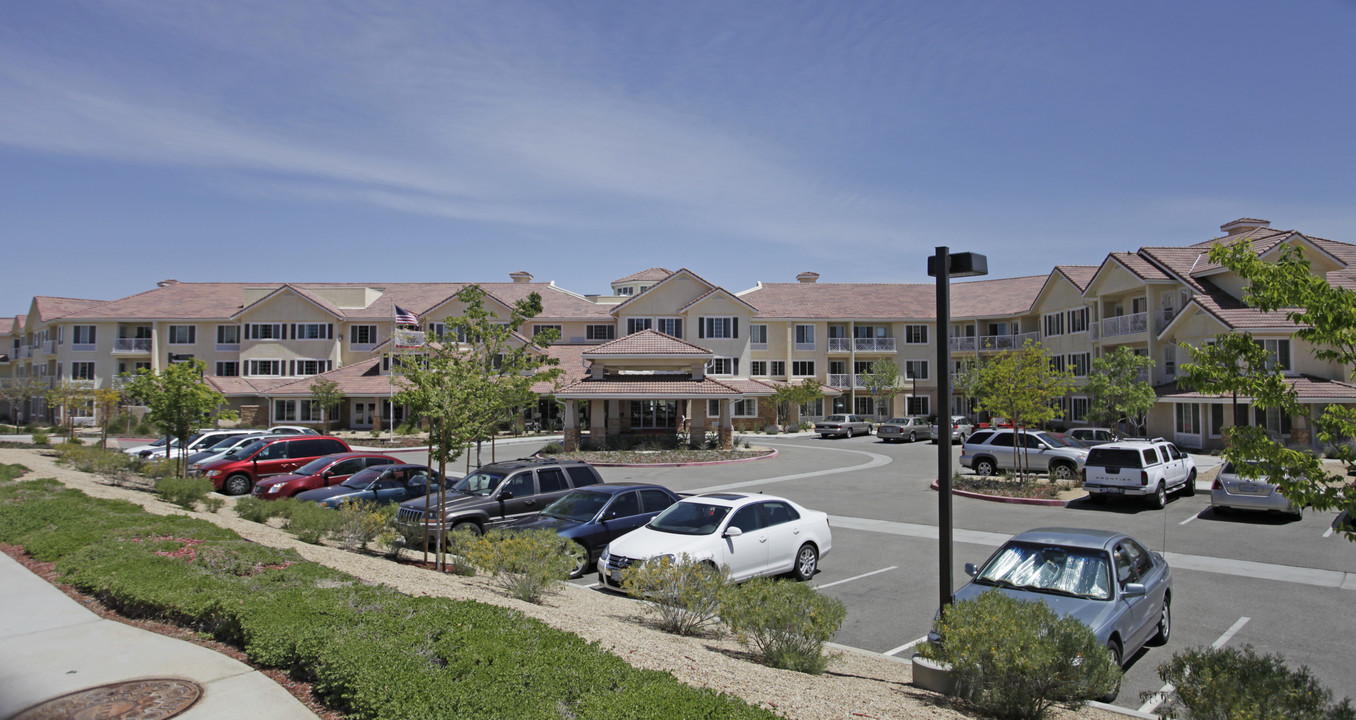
[
  {"x": 697, "y": 424},
  {"x": 725, "y": 430},
  {"x": 614, "y": 418},
  {"x": 571, "y": 426},
  {"x": 597, "y": 421}
]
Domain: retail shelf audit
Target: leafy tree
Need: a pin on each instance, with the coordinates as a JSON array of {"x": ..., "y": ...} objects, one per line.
[
  {"x": 1115, "y": 391},
  {"x": 1325, "y": 319},
  {"x": 326, "y": 395},
  {"x": 19, "y": 392},
  {"x": 68, "y": 397},
  {"x": 882, "y": 381},
  {"x": 793, "y": 395},
  {"x": 1022, "y": 386},
  {"x": 106, "y": 401},
  {"x": 177, "y": 397}
]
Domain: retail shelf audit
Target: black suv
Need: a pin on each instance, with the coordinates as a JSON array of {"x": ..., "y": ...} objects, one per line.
[{"x": 495, "y": 494}]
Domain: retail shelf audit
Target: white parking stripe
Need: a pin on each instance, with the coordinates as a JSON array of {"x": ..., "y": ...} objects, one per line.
[
  {"x": 1193, "y": 517},
  {"x": 1327, "y": 533},
  {"x": 876, "y": 460},
  {"x": 1228, "y": 634},
  {"x": 857, "y": 577},
  {"x": 904, "y": 647},
  {"x": 1157, "y": 698}
]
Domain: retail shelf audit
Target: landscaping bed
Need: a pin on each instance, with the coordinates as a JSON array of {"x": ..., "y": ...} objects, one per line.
[{"x": 1032, "y": 487}]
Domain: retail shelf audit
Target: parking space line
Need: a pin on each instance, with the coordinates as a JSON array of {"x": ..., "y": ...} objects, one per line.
[
  {"x": 857, "y": 577},
  {"x": 904, "y": 647},
  {"x": 1193, "y": 517},
  {"x": 876, "y": 460},
  {"x": 1157, "y": 698},
  {"x": 1327, "y": 533}
]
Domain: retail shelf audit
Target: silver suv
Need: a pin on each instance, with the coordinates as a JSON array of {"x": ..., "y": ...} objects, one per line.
[
  {"x": 988, "y": 451},
  {"x": 1143, "y": 468}
]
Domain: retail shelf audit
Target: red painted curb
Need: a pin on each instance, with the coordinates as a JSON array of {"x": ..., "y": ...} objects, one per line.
[
  {"x": 772, "y": 454},
  {"x": 1006, "y": 499}
]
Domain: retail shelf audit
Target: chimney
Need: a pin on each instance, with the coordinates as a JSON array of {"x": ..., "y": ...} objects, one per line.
[
  {"x": 808, "y": 277},
  {"x": 1244, "y": 225},
  {"x": 166, "y": 283},
  {"x": 522, "y": 276}
]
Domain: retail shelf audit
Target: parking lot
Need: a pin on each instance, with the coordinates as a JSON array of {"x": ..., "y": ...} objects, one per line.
[{"x": 1282, "y": 586}]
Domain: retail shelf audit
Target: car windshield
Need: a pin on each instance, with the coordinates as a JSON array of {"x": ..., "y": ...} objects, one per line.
[
  {"x": 480, "y": 483},
  {"x": 224, "y": 443},
  {"x": 690, "y": 518},
  {"x": 247, "y": 449},
  {"x": 1059, "y": 440},
  {"x": 314, "y": 466},
  {"x": 836, "y": 418},
  {"x": 363, "y": 478},
  {"x": 1051, "y": 569},
  {"x": 580, "y": 505}
]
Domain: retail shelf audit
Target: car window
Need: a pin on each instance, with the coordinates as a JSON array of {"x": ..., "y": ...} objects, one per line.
[
  {"x": 305, "y": 448},
  {"x": 1114, "y": 457},
  {"x": 748, "y": 518},
  {"x": 836, "y": 418},
  {"x": 388, "y": 484},
  {"x": 347, "y": 467},
  {"x": 624, "y": 505},
  {"x": 273, "y": 452},
  {"x": 369, "y": 462},
  {"x": 1126, "y": 571},
  {"x": 1034, "y": 442},
  {"x": 551, "y": 480},
  {"x": 655, "y": 500},
  {"x": 980, "y": 437},
  {"x": 690, "y": 518},
  {"x": 779, "y": 512},
  {"x": 520, "y": 485},
  {"x": 581, "y": 475},
  {"x": 1002, "y": 440},
  {"x": 480, "y": 483},
  {"x": 1174, "y": 452},
  {"x": 419, "y": 481},
  {"x": 1140, "y": 557}
]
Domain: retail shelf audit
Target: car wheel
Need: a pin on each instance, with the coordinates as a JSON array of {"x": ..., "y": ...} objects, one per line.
[
  {"x": 580, "y": 555},
  {"x": 807, "y": 560},
  {"x": 984, "y": 466},
  {"x": 1190, "y": 489},
  {"x": 467, "y": 526},
  {"x": 1061, "y": 471},
  {"x": 237, "y": 485},
  {"x": 1160, "y": 497},
  {"x": 1164, "y": 624},
  {"x": 1114, "y": 648},
  {"x": 913, "y": 437}
]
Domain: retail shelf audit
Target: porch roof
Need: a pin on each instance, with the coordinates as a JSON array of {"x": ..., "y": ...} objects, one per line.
[
  {"x": 1308, "y": 389},
  {"x": 650, "y": 387}
]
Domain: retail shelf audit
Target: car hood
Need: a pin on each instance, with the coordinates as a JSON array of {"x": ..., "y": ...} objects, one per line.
[
  {"x": 542, "y": 522},
  {"x": 279, "y": 480},
  {"x": 646, "y": 543},
  {"x": 1099, "y": 615},
  {"x": 326, "y": 493}
]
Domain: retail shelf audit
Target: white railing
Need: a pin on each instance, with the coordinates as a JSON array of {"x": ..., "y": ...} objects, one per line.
[
  {"x": 25, "y": 351},
  {"x": 1094, "y": 331},
  {"x": 1006, "y": 342},
  {"x": 964, "y": 344},
  {"x": 874, "y": 344},
  {"x": 132, "y": 345},
  {"x": 1125, "y": 324},
  {"x": 838, "y": 345},
  {"x": 840, "y": 380},
  {"x": 1165, "y": 316}
]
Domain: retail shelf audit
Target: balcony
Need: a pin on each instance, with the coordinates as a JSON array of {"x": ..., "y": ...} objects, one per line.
[
  {"x": 25, "y": 351},
  {"x": 838, "y": 345},
  {"x": 132, "y": 346},
  {"x": 964, "y": 344},
  {"x": 1125, "y": 325},
  {"x": 841, "y": 380},
  {"x": 873, "y": 344},
  {"x": 998, "y": 343},
  {"x": 1165, "y": 316}
]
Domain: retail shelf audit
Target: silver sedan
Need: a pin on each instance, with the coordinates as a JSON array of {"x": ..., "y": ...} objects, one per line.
[
  {"x": 843, "y": 426},
  {"x": 1233, "y": 491}
]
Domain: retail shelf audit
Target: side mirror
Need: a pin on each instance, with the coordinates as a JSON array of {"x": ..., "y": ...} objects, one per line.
[
  {"x": 1134, "y": 590},
  {"x": 733, "y": 532},
  {"x": 506, "y": 495},
  {"x": 971, "y": 569}
]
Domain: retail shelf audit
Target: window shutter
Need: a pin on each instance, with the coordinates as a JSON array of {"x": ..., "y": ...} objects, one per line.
[
  {"x": 736, "y": 366},
  {"x": 678, "y": 328},
  {"x": 734, "y": 324},
  {"x": 701, "y": 328},
  {"x": 93, "y": 332},
  {"x": 294, "y": 331},
  {"x": 291, "y": 367}
]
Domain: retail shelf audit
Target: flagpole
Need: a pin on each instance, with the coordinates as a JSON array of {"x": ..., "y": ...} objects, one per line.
[{"x": 390, "y": 377}]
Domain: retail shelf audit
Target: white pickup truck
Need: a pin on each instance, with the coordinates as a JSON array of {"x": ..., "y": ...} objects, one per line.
[{"x": 1143, "y": 468}]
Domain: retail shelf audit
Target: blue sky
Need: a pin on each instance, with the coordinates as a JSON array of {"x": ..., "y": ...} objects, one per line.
[{"x": 583, "y": 141}]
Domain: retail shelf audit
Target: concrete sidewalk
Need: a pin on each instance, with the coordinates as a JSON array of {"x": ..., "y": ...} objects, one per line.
[{"x": 53, "y": 646}]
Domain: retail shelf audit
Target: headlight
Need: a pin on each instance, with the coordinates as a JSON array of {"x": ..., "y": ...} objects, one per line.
[
  {"x": 606, "y": 554},
  {"x": 274, "y": 488},
  {"x": 213, "y": 473}
]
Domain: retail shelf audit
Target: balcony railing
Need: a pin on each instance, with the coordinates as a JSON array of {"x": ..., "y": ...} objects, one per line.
[
  {"x": 873, "y": 344},
  {"x": 132, "y": 345},
  {"x": 841, "y": 380},
  {"x": 964, "y": 344},
  {"x": 839, "y": 345},
  {"x": 1125, "y": 325},
  {"x": 999, "y": 343},
  {"x": 1165, "y": 316}
]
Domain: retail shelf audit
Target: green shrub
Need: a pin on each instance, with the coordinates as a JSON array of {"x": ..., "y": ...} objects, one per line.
[
  {"x": 360, "y": 522},
  {"x": 184, "y": 492},
  {"x": 1016, "y": 659},
  {"x": 156, "y": 470},
  {"x": 212, "y": 503},
  {"x": 73, "y": 440},
  {"x": 39, "y": 438},
  {"x": 257, "y": 509},
  {"x": 96, "y": 460},
  {"x": 786, "y": 623},
  {"x": 527, "y": 565},
  {"x": 684, "y": 596},
  {"x": 310, "y": 522},
  {"x": 1226, "y": 683},
  {"x": 552, "y": 449}
]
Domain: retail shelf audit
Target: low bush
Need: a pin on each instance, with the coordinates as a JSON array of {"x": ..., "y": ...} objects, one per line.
[
  {"x": 156, "y": 470},
  {"x": 359, "y": 523},
  {"x": 184, "y": 492},
  {"x": 528, "y": 565},
  {"x": 212, "y": 503},
  {"x": 785, "y": 622},
  {"x": 310, "y": 522},
  {"x": 552, "y": 449},
  {"x": 1227, "y": 683},
  {"x": 1017, "y": 659},
  {"x": 39, "y": 438},
  {"x": 96, "y": 460},
  {"x": 684, "y": 596},
  {"x": 259, "y": 510}
]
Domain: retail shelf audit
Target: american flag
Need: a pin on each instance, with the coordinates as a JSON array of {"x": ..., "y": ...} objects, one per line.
[{"x": 405, "y": 317}]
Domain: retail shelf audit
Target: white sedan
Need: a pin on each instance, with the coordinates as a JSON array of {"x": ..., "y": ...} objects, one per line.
[{"x": 752, "y": 535}]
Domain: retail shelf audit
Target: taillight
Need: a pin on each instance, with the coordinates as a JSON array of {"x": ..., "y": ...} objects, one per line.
[
  {"x": 1144, "y": 477},
  {"x": 1216, "y": 485},
  {"x": 1083, "y": 475}
]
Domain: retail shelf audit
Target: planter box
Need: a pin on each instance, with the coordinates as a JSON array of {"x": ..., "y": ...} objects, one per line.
[{"x": 933, "y": 676}]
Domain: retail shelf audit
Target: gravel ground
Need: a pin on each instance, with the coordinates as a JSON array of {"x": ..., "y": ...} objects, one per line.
[{"x": 857, "y": 684}]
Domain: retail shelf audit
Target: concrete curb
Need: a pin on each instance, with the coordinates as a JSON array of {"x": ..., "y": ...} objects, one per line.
[
  {"x": 769, "y": 456},
  {"x": 1006, "y": 499}
]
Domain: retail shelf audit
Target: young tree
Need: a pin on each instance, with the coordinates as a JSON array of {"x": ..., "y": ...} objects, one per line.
[
  {"x": 68, "y": 397},
  {"x": 177, "y": 397},
  {"x": 1115, "y": 391},
  {"x": 326, "y": 395},
  {"x": 19, "y": 393},
  {"x": 1022, "y": 386},
  {"x": 106, "y": 402},
  {"x": 1324, "y": 316},
  {"x": 792, "y": 395},
  {"x": 882, "y": 381}
]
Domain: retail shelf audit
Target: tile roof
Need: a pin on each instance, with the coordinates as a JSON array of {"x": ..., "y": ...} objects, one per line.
[
  {"x": 654, "y": 273},
  {"x": 1142, "y": 268},
  {"x": 717, "y": 291},
  {"x": 892, "y": 301},
  {"x": 680, "y": 271},
  {"x": 51, "y": 308},
  {"x": 237, "y": 386},
  {"x": 7, "y": 325},
  {"x": 646, "y": 342},
  {"x": 1079, "y": 275},
  {"x": 1308, "y": 388},
  {"x": 649, "y": 386},
  {"x": 1234, "y": 313}
]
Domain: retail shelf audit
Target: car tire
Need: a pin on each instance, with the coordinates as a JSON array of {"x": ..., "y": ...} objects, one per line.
[
  {"x": 1164, "y": 624},
  {"x": 467, "y": 526},
  {"x": 985, "y": 467},
  {"x": 1061, "y": 471},
  {"x": 580, "y": 555},
  {"x": 807, "y": 561},
  {"x": 1190, "y": 489},
  {"x": 237, "y": 484},
  {"x": 1114, "y": 647},
  {"x": 913, "y": 437},
  {"x": 1160, "y": 497}
]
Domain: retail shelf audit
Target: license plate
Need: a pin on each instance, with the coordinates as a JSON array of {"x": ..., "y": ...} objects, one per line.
[
  {"x": 1114, "y": 491},
  {"x": 1247, "y": 488},
  {"x": 615, "y": 575}
]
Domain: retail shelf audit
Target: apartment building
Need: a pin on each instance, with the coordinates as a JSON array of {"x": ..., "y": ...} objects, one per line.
[{"x": 666, "y": 348}]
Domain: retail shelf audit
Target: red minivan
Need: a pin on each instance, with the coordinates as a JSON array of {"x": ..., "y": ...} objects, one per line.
[
  {"x": 318, "y": 473},
  {"x": 269, "y": 457}
]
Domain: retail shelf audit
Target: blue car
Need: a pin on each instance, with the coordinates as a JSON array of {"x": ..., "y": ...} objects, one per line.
[
  {"x": 381, "y": 484},
  {"x": 595, "y": 515}
]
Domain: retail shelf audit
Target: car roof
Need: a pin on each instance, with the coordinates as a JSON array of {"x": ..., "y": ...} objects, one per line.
[
  {"x": 1073, "y": 537},
  {"x": 511, "y": 465},
  {"x": 731, "y": 499},
  {"x": 613, "y": 489},
  {"x": 1132, "y": 444}
]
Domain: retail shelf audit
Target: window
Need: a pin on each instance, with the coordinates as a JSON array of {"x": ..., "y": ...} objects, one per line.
[
  {"x": 758, "y": 334},
  {"x": 625, "y": 290},
  {"x": 1080, "y": 364},
  {"x": 655, "y": 500},
  {"x": 916, "y": 369},
  {"x": 264, "y": 368},
  {"x": 915, "y": 334},
  {"x": 228, "y": 368},
  {"x": 600, "y": 332},
  {"x": 309, "y": 411},
  {"x": 183, "y": 334},
  {"x": 309, "y": 367},
  {"x": 83, "y": 335},
  {"x": 1216, "y": 419},
  {"x": 284, "y": 410},
  {"x": 745, "y": 408},
  {"x": 1188, "y": 418},
  {"x": 777, "y": 368},
  {"x": 718, "y": 327},
  {"x": 803, "y": 368},
  {"x": 758, "y": 368},
  {"x": 82, "y": 371},
  {"x": 312, "y": 331},
  {"x": 364, "y": 334},
  {"x": 635, "y": 325},
  {"x": 814, "y": 408},
  {"x": 264, "y": 331},
  {"x": 1054, "y": 324},
  {"x": 1057, "y": 363},
  {"x": 551, "y": 480},
  {"x": 865, "y": 405},
  {"x": 669, "y": 326},
  {"x": 539, "y": 329},
  {"x": 1078, "y": 408},
  {"x": 435, "y": 329},
  {"x": 228, "y": 335},
  {"x": 653, "y": 414},
  {"x": 918, "y": 405},
  {"x": 805, "y": 337},
  {"x": 1278, "y": 354},
  {"x": 1078, "y": 320},
  {"x": 1169, "y": 360},
  {"x": 722, "y": 366}
]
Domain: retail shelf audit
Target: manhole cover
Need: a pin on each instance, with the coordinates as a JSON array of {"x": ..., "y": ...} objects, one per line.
[{"x": 137, "y": 700}]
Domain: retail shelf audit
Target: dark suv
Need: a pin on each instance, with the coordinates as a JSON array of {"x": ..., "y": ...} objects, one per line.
[{"x": 495, "y": 494}]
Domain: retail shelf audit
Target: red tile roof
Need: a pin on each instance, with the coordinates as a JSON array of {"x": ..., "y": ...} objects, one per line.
[
  {"x": 1308, "y": 388},
  {"x": 655, "y": 273},
  {"x": 51, "y": 308},
  {"x": 1079, "y": 275},
  {"x": 646, "y": 342},
  {"x": 892, "y": 301},
  {"x": 649, "y": 386}
]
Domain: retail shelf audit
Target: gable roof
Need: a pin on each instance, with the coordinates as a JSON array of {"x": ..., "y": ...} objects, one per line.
[
  {"x": 1079, "y": 275},
  {"x": 717, "y": 291},
  {"x": 661, "y": 283},
  {"x": 893, "y": 301},
  {"x": 301, "y": 292},
  {"x": 650, "y": 343},
  {"x": 654, "y": 273},
  {"x": 51, "y": 308}
]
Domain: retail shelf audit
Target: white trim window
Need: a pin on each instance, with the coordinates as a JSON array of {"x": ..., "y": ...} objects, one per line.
[
  {"x": 915, "y": 334},
  {"x": 264, "y": 368},
  {"x": 814, "y": 408},
  {"x": 82, "y": 371},
  {"x": 916, "y": 370},
  {"x": 539, "y": 329},
  {"x": 228, "y": 337},
  {"x": 367, "y": 334},
  {"x": 265, "y": 331},
  {"x": 777, "y": 368},
  {"x": 1080, "y": 364},
  {"x": 1078, "y": 320},
  {"x": 1054, "y": 324},
  {"x": 309, "y": 367},
  {"x": 600, "y": 332},
  {"x": 918, "y": 405},
  {"x": 722, "y": 366},
  {"x": 671, "y": 326},
  {"x": 183, "y": 334},
  {"x": 83, "y": 337},
  {"x": 1187, "y": 418},
  {"x": 312, "y": 331},
  {"x": 746, "y": 408},
  {"x": 228, "y": 368},
  {"x": 802, "y": 368},
  {"x": 1278, "y": 354},
  {"x": 805, "y": 337},
  {"x": 758, "y": 336},
  {"x": 757, "y": 368},
  {"x": 1057, "y": 363},
  {"x": 718, "y": 327},
  {"x": 296, "y": 411},
  {"x": 637, "y": 324},
  {"x": 1170, "y": 360},
  {"x": 433, "y": 329},
  {"x": 1078, "y": 408}
]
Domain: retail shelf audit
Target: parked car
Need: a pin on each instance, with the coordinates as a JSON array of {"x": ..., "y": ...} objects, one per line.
[
  {"x": 197, "y": 442},
  {"x": 292, "y": 430},
  {"x": 381, "y": 484},
  {"x": 751, "y": 534},
  {"x": 321, "y": 472},
  {"x": 961, "y": 428},
  {"x": 843, "y": 426},
  {"x": 1143, "y": 468},
  {"x": 1091, "y": 436},
  {"x": 989, "y": 451},
  {"x": 494, "y": 495},
  {"x": 137, "y": 450},
  {"x": 220, "y": 450},
  {"x": 596, "y": 515},
  {"x": 904, "y": 428},
  {"x": 1233, "y": 490},
  {"x": 266, "y": 458},
  {"x": 1106, "y": 580}
]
